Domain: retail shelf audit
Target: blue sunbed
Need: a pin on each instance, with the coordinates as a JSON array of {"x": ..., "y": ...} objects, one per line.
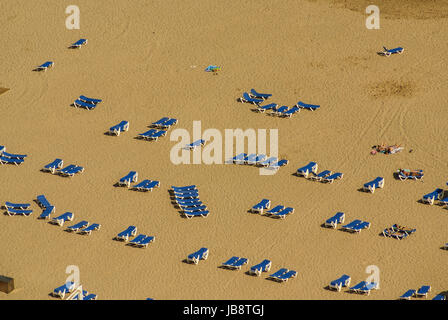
[
  {"x": 47, "y": 212},
  {"x": 283, "y": 213},
  {"x": 191, "y": 214},
  {"x": 89, "y": 100},
  {"x": 53, "y": 166},
  {"x": 239, "y": 158},
  {"x": 230, "y": 262},
  {"x": 338, "y": 284},
  {"x": 257, "y": 95},
  {"x": 147, "y": 134},
  {"x": 79, "y": 43},
  {"x": 156, "y": 135},
  {"x": 331, "y": 178},
  {"x": 45, "y": 66},
  {"x": 42, "y": 201},
  {"x": 201, "y": 254},
  {"x": 376, "y": 183},
  {"x": 83, "y": 104},
  {"x": 388, "y": 52},
  {"x": 290, "y": 112},
  {"x": 439, "y": 297},
  {"x": 407, "y": 295},
  {"x": 358, "y": 286},
  {"x": 168, "y": 123},
  {"x": 306, "y": 170},
  {"x": 423, "y": 291},
  {"x": 13, "y": 155},
  {"x": 90, "y": 229},
  {"x": 13, "y": 205},
  {"x": 238, "y": 264},
  {"x": 7, "y": 160},
  {"x": 68, "y": 216},
  {"x": 279, "y": 164},
  {"x": 414, "y": 174},
  {"x": 145, "y": 242},
  {"x": 271, "y": 106},
  {"x": 319, "y": 176},
  {"x": 248, "y": 99},
  {"x": 160, "y": 121},
  {"x": 137, "y": 239},
  {"x": 192, "y": 187},
  {"x": 367, "y": 287},
  {"x": 263, "y": 266},
  {"x": 131, "y": 177},
  {"x": 275, "y": 210},
  {"x": 287, "y": 275},
  {"x": 129, "y": 232},
  {"x": 335, "y": 220},
  {"x": 280, "y": 110},
  {"x": 64, "y": 289},
  {"x": 431, "y": 197},
  {"x": 2, "y": 149},
  {"x": 76, "y": 227},
  {"x": 268, "y": 162},
  {"x": 263, "y": 204},
  {"x": 118, "y": 128},
  {"x": 278, "y": 273},
  {"x": 197, "y": 143},
  {"x": 351, "y": 225},
  {"x": 307, "y": 106},
  {"x": 18, "y": 212}
]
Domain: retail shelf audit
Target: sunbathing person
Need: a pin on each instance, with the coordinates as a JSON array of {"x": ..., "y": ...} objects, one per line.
[{"x": 409, "y": 173}]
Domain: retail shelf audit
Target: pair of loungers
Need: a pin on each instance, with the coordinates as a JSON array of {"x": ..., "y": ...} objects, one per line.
[
  {"x": 67, "y": 216},
  {"x": 282, "y": 275},
  {"x": 398, "y": 232},
  {"x": 86, "y": 102},
  {"x": 437, "y": 194},
  {"x": 404, "y": 174},
  {"x": 356, "y": 226},
  {"x": 19, "y": 209},
  {"x": 195, "y": 257},
  {"x": 310, "y": 171},
  {"x": 118, "y": 128},
  {"x": 371, "y": 186},
  {"x": 195, "y": 144},
  {"x": 342, "y": 282},
  {"x": 83, "y": 227},
  {"x": 279, "y": 211},
  {"x": 235, "y": 263},
  {"x": 164, "y": 123},
  {"x": 333, "y": 222},
  {"x": 56, "y": 167},
  {"x": 48, "y": 209},
  {"x": 69, "y": 287},
  {"x": 187, "y": 198},
  {"x": 254, "y": 97},
  {"x": 146, "y": 185},
  {"x": 131, "y": 177},
  {"x": 364, "y": 287},
  {"x": 259, "y": 160},
  {"x": 78, "y": 44},
  {"x": 283, "y": 111},
  {"x": 140, "y": 241},
  {"x": 152, "y": 135},
  {"x": 11, "y": 158},
  {"x": 411, "y": 293}
]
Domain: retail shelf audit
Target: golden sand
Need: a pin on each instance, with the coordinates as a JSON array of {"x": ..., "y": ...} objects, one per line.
[{"x": 139, "y": 60}]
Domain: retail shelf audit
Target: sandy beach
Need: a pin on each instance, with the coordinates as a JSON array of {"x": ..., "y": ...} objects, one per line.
[{"x": 146, "y": 60}]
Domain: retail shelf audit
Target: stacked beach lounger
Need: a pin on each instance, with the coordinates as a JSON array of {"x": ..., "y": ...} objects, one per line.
[
  {"x": 159, "y": 129},
  {"x": 187, "y": 199}
]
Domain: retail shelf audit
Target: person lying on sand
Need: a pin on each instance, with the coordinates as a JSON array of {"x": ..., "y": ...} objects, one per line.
[{"x": 387, "y": 149}]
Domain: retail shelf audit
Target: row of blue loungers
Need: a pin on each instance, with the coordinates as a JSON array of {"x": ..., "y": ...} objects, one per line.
[
  {"x": 279, "y": 211},
  {"x": 187, "y": 199},
  {"x": 86, "y": 102},
  {"x": 422, "y": 292},
  {"x": 259, "y": 160},
  {"x": 10, "y": 158},
  {"x": 132, "y": 177},
  {"x": 55, "y": 167},
  {"x": 309, "y": 171},
  {"x": 362, "y": 287},
  {"x": 158, "y": 129},
  {"x": 354, "y": 227},
  {"x": 140, "y": 241}
]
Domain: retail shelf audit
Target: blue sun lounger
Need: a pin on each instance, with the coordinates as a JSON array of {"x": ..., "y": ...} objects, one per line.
[
  {"x": 7, "y": 160},
  {"x": 118, "y": 128},
  {"x": 268, "y": 162},
  {"x": 279, "y": 112},
  {"x": 145, "y": 242},
  {"x": 73, "y": 171},
  {"x": 254, "y": 94},
  {"x": 53, "y": 166},
  {"x": 277, "y": 274},
  {"x": 45, "y": 66},
  {"x": 129, "y": 232},
  {"x": 407, "y": 295},
  {"x": 78, "y": 226},
  {"x": 79, "y": 103},
  {"x": 68, "y": 216},
  {"x": 305, "y": 171},
  {"x": 155, "y": 136},
  {"x": 351, "y": 225},
  {"x": 331, "y": 178},
  {"x": 388, "y": 52},
  {"x": 131, "y": 177},
  {"x": 199, "y": 213},
  {"x": 367, "y": 288},
  {"x": 439, "y": 297},
  {"x": 271, "y": 106},
  {"x": 167, "y": 124},
  {"x": 47, "y": 212},
  {"x": 307, "y": 106},
  {"x": 66, "y": 169},
  {"x": 146, "y": 185},
  {"x": 287, "y": 275},
  {"x": 63, "y": 290},
  {"x": 201, "y": 254},
  {"x": 230, "y": 262},
  {"x": 248, "y": 99},
  {"x": 193, "y": 209},
  {"x": 423, "y": 291},
  {"x": 2, "y": 149},
  {"x": 290, "y": 112},
  {"x": 235, "y": 263},
  {"x": 189, "y": 202},
  {"x": 250, "y": 158},
  {"x": 185, "y": 192},
  {"x": 147, "y": 134},
  {"x": 376, "y": 183},
  {"x": 18, "y": 212},
  {"x": 321, "y": 175},
  {"x": 12, "y": 205},
  {"x": 254, "y": 160},
  {"x": 42, "y": 201},
  {"x": 275, "y": 210},
  {"x": 431, "y": 197},
  {"x": 197, "y": 143},
  {"x": 239, "y": 159},
  {"x": 335, "y": 220},
  {"x": 88, "y": 231},
  {"x": 192, "y": 187},
  {"x": 259, "y": 207},
  {"x": 14, "y": 156},
  {"x": 278, "y": 164},
  {"x": 137, "y": 239},
  {"x": 186, "y": 196},
  {"x": 361, "y": 226},
  {"x": 358, "y": 286},
  {"x": 338, "y": 284},
  {"x": 160, "y": 121},
  {"x": 283, "y": 213},
  {"x": 263, "y": 266},
  {"x": 79, "y": 43},
  {"x": 89, "y": 100}
]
